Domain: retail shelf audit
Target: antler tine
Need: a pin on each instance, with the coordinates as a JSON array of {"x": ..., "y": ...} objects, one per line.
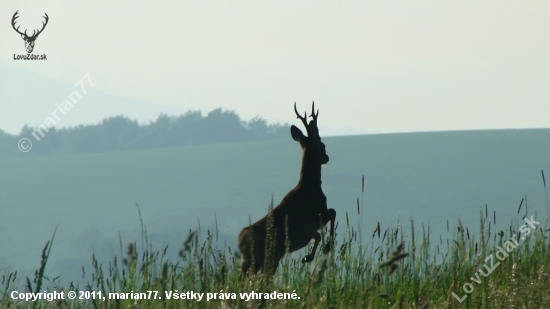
[
  {"x": 14, "y": 17},
  {"x": 304, "y": 120},
  {"x": 43, "y": 25},
  {"x": 313, "y": 114},
  {"x": 13, "y": 22}
]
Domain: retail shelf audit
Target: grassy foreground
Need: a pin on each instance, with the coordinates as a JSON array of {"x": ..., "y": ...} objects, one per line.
[{"x": 493, "y": 269}]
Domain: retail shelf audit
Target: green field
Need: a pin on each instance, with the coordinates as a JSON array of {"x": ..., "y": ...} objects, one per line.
[{"x": 431, "y": 178}]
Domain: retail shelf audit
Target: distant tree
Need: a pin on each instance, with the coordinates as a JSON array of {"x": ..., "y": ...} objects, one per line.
[
  {"x": 258, "y": 126},
  {"x": 8, "y": 145},
  {"x": 121, "y": 133},
  {"x": 220, "y": 126}
]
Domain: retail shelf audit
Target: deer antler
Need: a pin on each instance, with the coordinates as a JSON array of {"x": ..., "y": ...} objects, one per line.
[
  {"x": 34, "y": 32},
  {"x": 313, "y": 115},
  {"x": 304, "y": 120},
  {"x": 13, "y": 23},
  {"x": 43, "y": 25}
]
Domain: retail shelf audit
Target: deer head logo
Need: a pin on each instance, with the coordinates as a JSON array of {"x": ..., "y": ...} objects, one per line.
[{"x": 29, "y": 40}]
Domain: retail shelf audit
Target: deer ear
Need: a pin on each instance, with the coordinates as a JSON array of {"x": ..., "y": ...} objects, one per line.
[{"x": 297, "y": 134}]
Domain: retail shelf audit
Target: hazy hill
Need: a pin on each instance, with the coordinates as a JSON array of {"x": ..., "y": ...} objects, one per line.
[
  {"x": 27, "y": 95},
  {"x": 431, "y": 177}
]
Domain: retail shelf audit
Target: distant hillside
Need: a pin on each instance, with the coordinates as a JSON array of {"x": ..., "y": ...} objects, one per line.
[
  {"x": 121, "y": 133},
  {"x": 433, "y": 178}
]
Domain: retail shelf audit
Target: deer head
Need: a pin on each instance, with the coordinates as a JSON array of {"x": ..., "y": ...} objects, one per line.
[
  {"x": 29, "y": 40},
  {"x": 314, "y": 149}
]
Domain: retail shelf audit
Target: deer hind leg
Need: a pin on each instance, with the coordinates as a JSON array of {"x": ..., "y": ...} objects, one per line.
[
  {"x": 245, "y": 249},
  {"x": 330, "y": 214},
  {"x": 308, "y": 258},
  {"x": 252, "y": 253}
]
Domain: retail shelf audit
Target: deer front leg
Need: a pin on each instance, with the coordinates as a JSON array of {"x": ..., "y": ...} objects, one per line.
[
  {"x": 308, "y": 258},
  {"x": 329, "y": 215}
]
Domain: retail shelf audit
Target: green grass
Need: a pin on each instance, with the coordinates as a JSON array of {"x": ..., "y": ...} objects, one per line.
[{"x": 396, "y": 269}]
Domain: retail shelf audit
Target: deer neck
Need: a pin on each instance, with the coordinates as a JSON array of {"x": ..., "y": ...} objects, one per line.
[{"x": 310, "y": 174}]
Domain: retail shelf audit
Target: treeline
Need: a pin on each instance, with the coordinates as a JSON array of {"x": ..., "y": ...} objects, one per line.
[{"x": 121, "y": 133}]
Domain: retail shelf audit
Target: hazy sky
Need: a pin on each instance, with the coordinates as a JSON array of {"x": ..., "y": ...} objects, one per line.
[{"x": 370, "y": 66}]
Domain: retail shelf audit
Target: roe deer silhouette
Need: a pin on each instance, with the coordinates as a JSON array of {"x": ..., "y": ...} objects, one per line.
[{"x": 302, "y": 212}]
